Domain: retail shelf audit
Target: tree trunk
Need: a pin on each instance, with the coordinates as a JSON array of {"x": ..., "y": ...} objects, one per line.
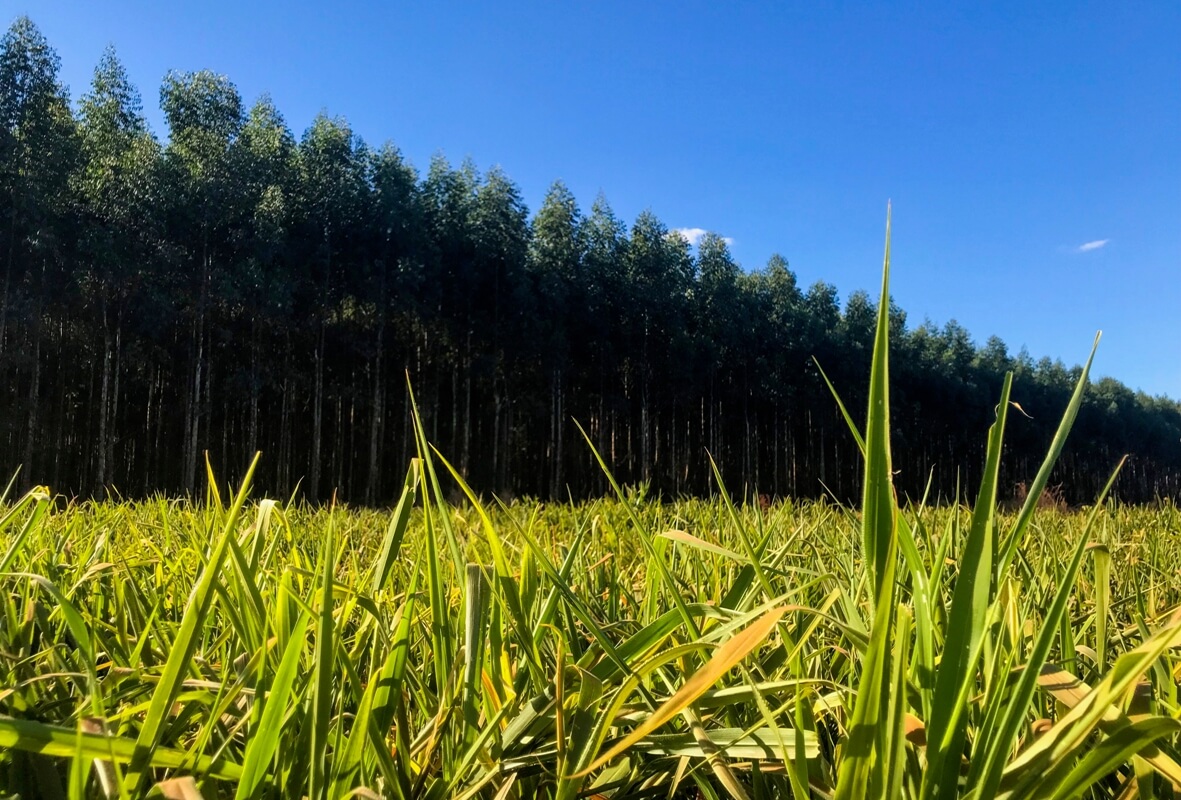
[
  {"x": 252, "y": 426},
  {"x": 34, "y": 397},
  {"x": 114, "y": 430},
  {"x": 372, "y": 484},
  {"x": 313, "y": 489},
  {"x": 100, "y": 478},
  {"x": 8, "y": 274}
]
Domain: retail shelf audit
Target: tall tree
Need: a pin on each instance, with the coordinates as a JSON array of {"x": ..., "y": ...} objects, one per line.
[
  {"x": 38, "y": 153},
  {"x": 556, "y": 255},
  {"x": 501, "y": 308},
  {"x": 394, "y": 288},
  {"x": 266, "y": 159},
  {"x": 116, "y": 186},
  {"x": 336, "y": 191},
  {"x": 204, "y": 115}
]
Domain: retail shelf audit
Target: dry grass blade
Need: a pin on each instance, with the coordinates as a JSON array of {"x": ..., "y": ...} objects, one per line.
[{"x": 724, "y": 659}]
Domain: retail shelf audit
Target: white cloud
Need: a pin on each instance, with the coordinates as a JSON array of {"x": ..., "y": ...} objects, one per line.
[
  {"x": 1089, "y": 246},
  {"x": 693, "y": 236}
]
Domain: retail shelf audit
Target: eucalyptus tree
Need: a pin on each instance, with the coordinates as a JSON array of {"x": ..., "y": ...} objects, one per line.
[
  {"x": 556, "y": 254},
  {"x": 117, "y": 189},
  {"x": 603, "y": 334},
  {"x": 502, "y": 309},
  {"x": 265, "y": 280},
  {"x": 395, "y": 283},
  {"x": 783, "y": 365},
  {"x": 204, "y": 115},
  {"x": 660, "y": 278},
  {"x": 336, "y": 190},
  {"x": 448, "y": 197},
  {"x": 720, "y": 320},
  {"x": 38, "y": 154}
]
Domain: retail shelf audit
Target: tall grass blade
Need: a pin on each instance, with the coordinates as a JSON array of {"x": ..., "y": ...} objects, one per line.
[
  {"x": 184, "y": 644},
  {"x": 864, "y": 767},
  {"x": 956, "y": 677}
]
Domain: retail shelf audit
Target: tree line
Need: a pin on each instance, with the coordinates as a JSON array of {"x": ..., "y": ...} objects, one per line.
[{"x": 233, "y": 288}]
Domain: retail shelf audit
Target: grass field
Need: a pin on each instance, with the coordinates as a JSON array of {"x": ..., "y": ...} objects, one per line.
[{"x": 622, "y": 648}]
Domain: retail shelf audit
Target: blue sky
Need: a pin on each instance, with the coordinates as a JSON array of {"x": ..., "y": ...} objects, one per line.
[{"x": 1032, "y": 151}]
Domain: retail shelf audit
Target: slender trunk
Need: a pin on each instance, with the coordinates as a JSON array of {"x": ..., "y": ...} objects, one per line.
[
  {"x": 114, "y": 432},
  {"x": 338, "y": 449},
  {"x": 148, "y": 433},
  {"x": 496, "y": 410},
  {"x": 100, "y": 478},
  {"x": 284, "y": 439},
  {"x": 252, "y": 429},
  {"x": 34, "y": 397},
  {"x": 8, "y": 274},
  {"x": 63, "y": 420},
  {"x": 645, "y": 461},
  {"x": 285, "y": 450},
  {"x": 376, "y": 417},
  {"x": 193, "y": 413},
  {"x": 560, "y": 425},
  {"x": 317, "y": 418},
  {"x": 465, "y": 459}
]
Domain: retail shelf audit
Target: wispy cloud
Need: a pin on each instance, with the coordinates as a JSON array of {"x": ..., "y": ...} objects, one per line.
[
  {"x": 1089, "y": 246},
  {"x": 693, "y": 235}
]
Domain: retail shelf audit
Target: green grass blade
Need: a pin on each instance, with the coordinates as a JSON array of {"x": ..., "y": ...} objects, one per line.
[
  {"x": 1013, "y": 539},
  {"x": 396, "y": 531},
  {"x": 863, "y": 768},
  {"x": 37, "y": 497},
  {"x": 265, "y": 739},
  {"x": 323, "y": 674},
  {"x": 1110, "y": 753},
  {"x": 184, "y": 644},
  {"x": 991, "y": 753},
  {"x": 52, "y": 740},
  {"x": 947, "y": 729}
]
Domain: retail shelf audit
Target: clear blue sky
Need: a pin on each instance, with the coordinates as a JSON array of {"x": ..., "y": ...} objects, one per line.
[{"x": 1032, "y": 150}]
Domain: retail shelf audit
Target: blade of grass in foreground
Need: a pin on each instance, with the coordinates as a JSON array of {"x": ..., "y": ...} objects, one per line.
[
  {"x": 38, "y": 497},
  {"x": 995, "y": 745},
  {"x": 184, "y": 644},
  {"x": 864, "y": 764},
  {"x": 947, "y": 729},
  {"x": 265, "y": 739},
  {"x": 52, "y": 740},
  {"x": 726, "y": 657},
  {"x": 397, "y": 529},
  {"x": 1009, "y": 548},
  {"x": 324, "y": 673}
]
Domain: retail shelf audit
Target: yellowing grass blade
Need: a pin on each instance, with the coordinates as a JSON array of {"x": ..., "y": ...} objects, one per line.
[
  {"x": 701, "y": 544},
  {"x": 52, "y": 740},
  {"x": 1070, "y": 691},
  {"x": 37, "y": 497},
  {"x": 725, "y": 659}
]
